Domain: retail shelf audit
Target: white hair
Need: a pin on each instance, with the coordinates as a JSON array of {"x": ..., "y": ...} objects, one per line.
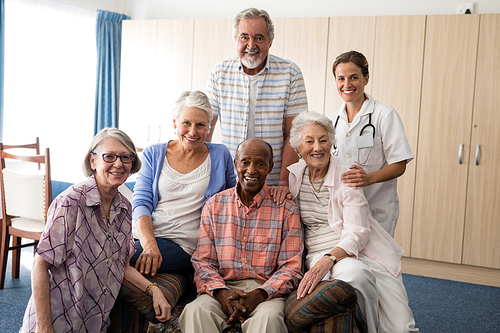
[
  {"x": 252, "y": 14},
  {"x": 307, "y": 118},
  {"x": 194, "y": 98}
]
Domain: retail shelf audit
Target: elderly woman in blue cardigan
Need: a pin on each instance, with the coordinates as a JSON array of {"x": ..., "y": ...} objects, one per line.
[{"x": 175, "y": 180}]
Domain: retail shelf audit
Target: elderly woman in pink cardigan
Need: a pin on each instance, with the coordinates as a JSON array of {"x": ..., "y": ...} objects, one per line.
[{"x": 342, "y": 239}]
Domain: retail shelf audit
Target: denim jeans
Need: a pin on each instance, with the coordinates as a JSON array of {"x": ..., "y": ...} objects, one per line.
[{"x": 175, "y": 259}]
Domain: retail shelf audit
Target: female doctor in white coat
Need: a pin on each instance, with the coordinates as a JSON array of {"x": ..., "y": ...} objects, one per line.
[{"x": 370, "y": 138}]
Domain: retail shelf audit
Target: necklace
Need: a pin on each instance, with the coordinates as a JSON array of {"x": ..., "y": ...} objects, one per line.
[
  {"x": 106, "y": 216},
  {"x": 319, "y": 188},
  {"x": 105, "y": 211},
  {"x": 189, "y": 168}
]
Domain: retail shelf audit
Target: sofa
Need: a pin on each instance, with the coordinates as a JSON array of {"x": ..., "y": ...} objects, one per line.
[{"x": 330, "y": 308}]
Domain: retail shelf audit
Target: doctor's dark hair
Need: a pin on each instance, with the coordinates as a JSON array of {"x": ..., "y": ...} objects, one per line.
[
  {"x": 355, "y": 57},
  {"x": 252, "y": 14},
  {"x": 99, "y": 138},
  {"x": 307, "y": 118}
]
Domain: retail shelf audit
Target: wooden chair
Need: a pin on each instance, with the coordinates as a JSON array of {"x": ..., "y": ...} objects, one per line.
[{"x": 26, "y": 198}]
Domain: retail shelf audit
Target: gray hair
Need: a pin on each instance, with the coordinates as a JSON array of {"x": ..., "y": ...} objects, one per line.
[
  {"x": 194, "y": 98},
  {"x": 99, "y": 139},
  {"x": 251, "y": 14},
  {"x": 307, "y": 118}
]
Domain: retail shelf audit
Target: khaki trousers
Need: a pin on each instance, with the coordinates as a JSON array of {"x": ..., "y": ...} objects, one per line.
[{"x": 204, "y": 314}]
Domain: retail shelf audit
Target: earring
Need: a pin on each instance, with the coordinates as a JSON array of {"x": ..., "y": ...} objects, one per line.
[{"x": 300, "y": 156}]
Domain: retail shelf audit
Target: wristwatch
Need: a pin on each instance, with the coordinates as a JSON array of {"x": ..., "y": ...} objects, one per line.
[{"x": 334, "y": 258}]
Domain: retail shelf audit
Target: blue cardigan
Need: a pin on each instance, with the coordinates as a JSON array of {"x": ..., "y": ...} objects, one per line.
[{"x": 145, "y": 197}]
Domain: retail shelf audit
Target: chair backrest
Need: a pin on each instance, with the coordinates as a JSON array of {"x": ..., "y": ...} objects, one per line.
[
  {"x": 35, "y": 146},
  {"x": 25, "y": 195},
  {"x": 19, "y": 149}
]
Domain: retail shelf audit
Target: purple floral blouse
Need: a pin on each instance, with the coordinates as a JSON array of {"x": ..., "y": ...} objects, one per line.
[{"x": 87, "y": 256}]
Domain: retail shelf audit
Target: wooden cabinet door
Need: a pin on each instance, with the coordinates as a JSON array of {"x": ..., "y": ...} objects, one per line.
[
  {"x": 305, "y": 43},
  {"x": 346, "y": 34},
  {"x": 482, "y": 223},
  {"x": 278, "y": 46},
  {"x": 174, "y": 59},
  {"x": 396, "y": 80},
  {"x": 138, "y": 95},
  {"x": 213, "y": 42},
  {"x": 445, "y": 126},
  {"x": 156, "y": 67}
]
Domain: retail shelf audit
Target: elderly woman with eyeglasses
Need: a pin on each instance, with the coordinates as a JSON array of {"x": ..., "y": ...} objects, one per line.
[
  {"x": 342, "y": 239},
  {"x": 83, "y": 254},
  {"x": 175, "y": 180}
]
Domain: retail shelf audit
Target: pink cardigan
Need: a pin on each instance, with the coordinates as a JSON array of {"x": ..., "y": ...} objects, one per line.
[{"x": 350, "y": 217}]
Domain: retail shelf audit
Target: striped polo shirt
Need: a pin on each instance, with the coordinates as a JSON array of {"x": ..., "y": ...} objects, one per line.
[{"x": 281, "y": 93}]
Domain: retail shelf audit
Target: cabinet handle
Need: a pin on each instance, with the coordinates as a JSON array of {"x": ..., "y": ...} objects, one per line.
[
  {"x": 460, "y": 149},
  {"x": 477, "y": 154}
]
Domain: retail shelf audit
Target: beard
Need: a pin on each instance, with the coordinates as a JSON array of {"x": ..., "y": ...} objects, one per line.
[{"x": 253, "y": 62}]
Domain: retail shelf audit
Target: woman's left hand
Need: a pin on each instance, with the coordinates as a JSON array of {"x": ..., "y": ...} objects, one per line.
[
  {"x": 314, "y": 276},
  {"x": 150, "y": 259},
  {"x": 356, "y": 177},
  {"x": 161, "y": 306},
  {"x": 279, "y": 193}
]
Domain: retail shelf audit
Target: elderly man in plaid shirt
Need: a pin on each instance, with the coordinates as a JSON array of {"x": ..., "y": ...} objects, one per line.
[{"x": 249, "y": 252}]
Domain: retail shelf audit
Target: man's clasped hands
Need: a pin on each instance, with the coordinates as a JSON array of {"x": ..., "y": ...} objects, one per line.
[{"x": 237, "y": 304}]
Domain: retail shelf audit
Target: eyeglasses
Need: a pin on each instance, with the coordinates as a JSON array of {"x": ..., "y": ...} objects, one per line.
[{"x": 110, "y": 158}]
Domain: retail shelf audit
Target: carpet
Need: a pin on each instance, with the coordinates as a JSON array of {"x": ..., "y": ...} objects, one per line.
[{"x": 439, "y": 306}]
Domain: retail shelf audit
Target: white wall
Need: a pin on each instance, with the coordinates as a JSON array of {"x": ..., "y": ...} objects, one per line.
[{"x": 182, "y": 9}]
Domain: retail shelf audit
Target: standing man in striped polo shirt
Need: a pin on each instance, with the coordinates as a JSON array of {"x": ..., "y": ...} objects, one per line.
[{"x": 256, "y": 94}]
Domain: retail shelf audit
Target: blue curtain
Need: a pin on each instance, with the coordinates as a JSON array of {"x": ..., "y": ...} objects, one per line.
[
  {"x": 109, "y": 36},
  {"x": 2, "y": 44}
]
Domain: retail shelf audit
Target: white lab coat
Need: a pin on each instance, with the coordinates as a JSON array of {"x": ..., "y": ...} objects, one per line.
[{"x": 389, "y": 146}]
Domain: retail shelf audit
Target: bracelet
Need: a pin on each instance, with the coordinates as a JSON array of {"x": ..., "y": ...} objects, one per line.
[{"x": 150, "y": 286}]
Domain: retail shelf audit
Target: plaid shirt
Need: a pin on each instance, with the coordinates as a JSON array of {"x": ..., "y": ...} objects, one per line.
[{"x": 264, "y": 242}]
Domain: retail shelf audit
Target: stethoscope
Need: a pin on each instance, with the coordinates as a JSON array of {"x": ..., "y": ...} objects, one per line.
[{"x": 336, "y": 151}]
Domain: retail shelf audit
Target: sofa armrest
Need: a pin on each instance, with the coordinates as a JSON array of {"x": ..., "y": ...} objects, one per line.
[
  {"x": 134, "y": 308},
  {"x": 329, "y": 299}
]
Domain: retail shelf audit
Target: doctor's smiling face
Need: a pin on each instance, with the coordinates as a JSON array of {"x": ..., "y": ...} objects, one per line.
[{"x": 350, "y": 82}]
